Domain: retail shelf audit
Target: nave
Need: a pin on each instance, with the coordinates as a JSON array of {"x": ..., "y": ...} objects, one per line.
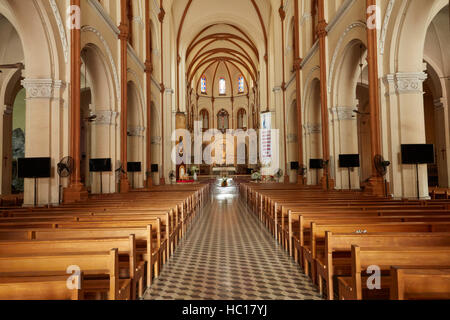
[{"x": 229, "y": 255}]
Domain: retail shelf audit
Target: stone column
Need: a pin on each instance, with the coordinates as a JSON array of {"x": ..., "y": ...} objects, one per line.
[
  {"x": 135, "y": 136},
  {"x": 375, "y": 186},
  {"x": 76, "y": 191},
  {"x": 161, "y": 15},
  {"x": 327, "y": 181},
  {"x": 7, "y": 156},
  {"x": 148, "y": 78},
  {"x": 442, "y": 139},
  {"x": 347, "y": 143},
  {"x": 102, "y": 130},
  {"x": 298, "y": 99},
  {"x": 407, "y": 126},
  {"x": 124, "y": 35},
  {"x": 43, "y": 107}
]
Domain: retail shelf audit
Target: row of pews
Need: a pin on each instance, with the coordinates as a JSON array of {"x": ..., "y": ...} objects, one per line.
[
  {"x": 355, "y": 247},
  {"x": 111, "y": 247},
  {"x": 439, "y": 193}
]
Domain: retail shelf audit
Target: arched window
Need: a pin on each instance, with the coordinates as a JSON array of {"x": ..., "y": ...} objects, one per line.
[
  {"x": 222, "y": 87},
  {"x": 130, "y": 21},
  {"x": 241, "y": 86},
  {"x": 204, "y": 118},
  {"x": 315, "y": 18},
  {"x": 203, "y": 85},
  {"x": 242, "y": 119}
]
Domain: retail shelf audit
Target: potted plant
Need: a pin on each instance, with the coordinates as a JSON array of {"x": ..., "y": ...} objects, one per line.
[
  {"x": 224, "y": 183},
  {"x": 172, "y": 176},
  {"x": 194, "y": 170},
  {"x": 256, "y": 176}
]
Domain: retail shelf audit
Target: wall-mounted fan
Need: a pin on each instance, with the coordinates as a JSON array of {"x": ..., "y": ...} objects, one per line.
[
  {"x": 119, "y": 170},
  {"x": 303, "y": 170},
  {"x": 65, "y": 169},
  {"x": 381, "y": 165},
  {"x": 172, "y": 176},
  {"x": 279, "y": 174}
]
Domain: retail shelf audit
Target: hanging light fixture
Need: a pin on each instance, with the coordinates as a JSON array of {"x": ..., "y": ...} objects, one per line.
[{"x": 361, "y": 64}]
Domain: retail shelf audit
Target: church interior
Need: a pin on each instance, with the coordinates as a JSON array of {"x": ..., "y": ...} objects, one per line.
[{"x": 225, "y": 150}]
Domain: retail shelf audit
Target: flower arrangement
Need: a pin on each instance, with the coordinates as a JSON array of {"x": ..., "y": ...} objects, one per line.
[
  {"x": 194, "y": 171},
  {"x": 224, "y": 183},
  {"x": 256, "y": 176}
]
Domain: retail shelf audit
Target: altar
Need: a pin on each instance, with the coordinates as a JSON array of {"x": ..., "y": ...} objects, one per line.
[{"x": 224, "y": 171}]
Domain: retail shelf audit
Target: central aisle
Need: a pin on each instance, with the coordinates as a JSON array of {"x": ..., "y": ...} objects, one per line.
[{"x": 229, "y": 255}]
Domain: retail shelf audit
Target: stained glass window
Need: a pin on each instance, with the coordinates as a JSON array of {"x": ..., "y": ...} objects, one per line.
[
  {"x": 222, "y": 86},
  {"x": 241, "y": 84},
  {"x": 203, "y": 84}
]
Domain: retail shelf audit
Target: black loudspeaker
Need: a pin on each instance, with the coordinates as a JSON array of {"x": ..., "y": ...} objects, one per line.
[
  {"x": 316, "y": 164},
  {"x": 295, "y": 166},
  {"x": 417, "y": 154},
  {"x": 155, "y": 168},
  {"x": 249, "y": 171},
  {"x": 134, "y": 167},
  {"x": 349, "y": 161},
  {"x": 100, "y": 165},
  {"x": 34, "y": 168}
]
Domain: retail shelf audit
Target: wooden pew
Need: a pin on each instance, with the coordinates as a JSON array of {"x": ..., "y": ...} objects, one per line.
[
  {"x": 147, "y": 245},
  {"x": 134, "y": 269},
  {"x": 318, "y": 231},
  {"x": 40, "y": 288},
  {"x": 57, "y": 264},
  {"x": 351, "y": 288},
  {"x": 337, "y": 262},
  {"x": 295, "y": 235},
  {"x": 415, "y": 283}
]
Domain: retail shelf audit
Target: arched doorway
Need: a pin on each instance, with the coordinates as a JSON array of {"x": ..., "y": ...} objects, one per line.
[
  {"x": 98, "y": 119},
  {"x": 436, "y": 89},
  {"x": 292, "y": 140},
  {"x": 13, "y": 113},
  {"x": 156, "y": 143},
  {"x": 135, "y": 132},
  {"x": 313, "y": 127},
  {"x": 351, "y": 116}
]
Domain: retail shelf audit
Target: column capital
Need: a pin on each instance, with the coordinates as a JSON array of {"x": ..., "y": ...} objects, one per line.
[
  {"x": 106, "y": 117},
  {"x": 41, "y": 88},
  {"x": 343, "y": 113},
  {"x": 312, "y": 128},
  {"x": 322, "y": 29},
  {"x": 135, "y": 131},
  {"x": 124, "y": 29},
  {"x": 282, "y": 13},
  {"x": 298, "y": 64},
  {"x": 156, "y": 140},
  {"x": 161, "y": 15},
  {"x": 148, "y": 66},
  {"x": 292, "y": 138},
  {"x": 407, "y": 82}
]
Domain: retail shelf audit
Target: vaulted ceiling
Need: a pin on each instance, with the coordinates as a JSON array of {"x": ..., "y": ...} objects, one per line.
[{"x": 216, "y": 33}]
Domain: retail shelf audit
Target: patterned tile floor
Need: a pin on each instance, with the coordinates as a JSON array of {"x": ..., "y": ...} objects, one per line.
[{"x": 229, "y": 255}]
